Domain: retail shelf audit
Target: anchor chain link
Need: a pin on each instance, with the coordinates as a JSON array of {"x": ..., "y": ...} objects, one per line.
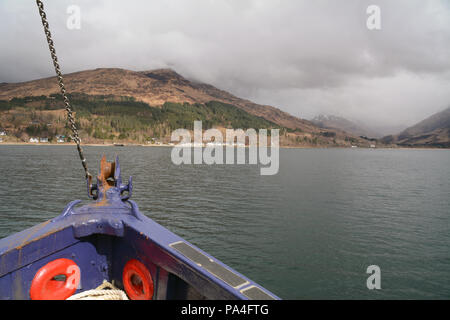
[{"x": 70, "y": 117}]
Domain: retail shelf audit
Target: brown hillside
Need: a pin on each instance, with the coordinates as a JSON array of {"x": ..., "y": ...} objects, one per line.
[
  {"x": 157, "y": 87},
  {"x": 434, "y": 131},
  {"x": 153, "y": 87}
]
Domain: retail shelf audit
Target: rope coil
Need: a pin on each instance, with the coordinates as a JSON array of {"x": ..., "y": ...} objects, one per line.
[{"x": 105, "y": 291}]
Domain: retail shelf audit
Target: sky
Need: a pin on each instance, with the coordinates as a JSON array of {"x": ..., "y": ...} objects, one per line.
[{"x": 305, "y": 57}]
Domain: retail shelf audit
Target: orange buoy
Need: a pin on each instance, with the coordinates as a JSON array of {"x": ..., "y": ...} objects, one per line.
[
  {"x": 44, "y": 285},
  {"x": 137, "y": 281}
]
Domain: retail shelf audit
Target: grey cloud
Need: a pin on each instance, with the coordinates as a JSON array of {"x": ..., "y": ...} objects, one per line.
[{"x": 305, "y": 57}]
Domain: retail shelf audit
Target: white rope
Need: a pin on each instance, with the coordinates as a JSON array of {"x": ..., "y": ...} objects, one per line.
[{"x": 105, "y": 291}]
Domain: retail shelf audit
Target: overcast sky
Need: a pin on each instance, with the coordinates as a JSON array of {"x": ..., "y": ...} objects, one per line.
[{"x": 304, "y": 57}]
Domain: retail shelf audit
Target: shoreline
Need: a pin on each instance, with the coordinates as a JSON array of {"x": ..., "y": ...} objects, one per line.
[
  {"x": 166, "y": 146},
  {"x": 73, "y": 144}
]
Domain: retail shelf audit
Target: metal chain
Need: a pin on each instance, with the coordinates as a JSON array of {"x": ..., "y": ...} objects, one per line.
[{"x": 75, "y": 137}]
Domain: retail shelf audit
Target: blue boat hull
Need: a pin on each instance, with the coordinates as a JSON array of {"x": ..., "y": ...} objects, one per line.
[{"x": 102, "y": 237}]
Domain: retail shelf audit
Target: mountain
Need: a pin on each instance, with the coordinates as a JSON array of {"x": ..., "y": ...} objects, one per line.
[
  {"x": 154, "y": 94},
  {"x": 153, "y": 87},
  {"x": 339, "y": 123},
  {"x": 434, "y": 131}
]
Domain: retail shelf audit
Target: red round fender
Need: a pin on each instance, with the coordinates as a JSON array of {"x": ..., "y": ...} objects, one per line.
[
  {"x": 137, "y": 281},
  {"x": 45, "y": 287}
]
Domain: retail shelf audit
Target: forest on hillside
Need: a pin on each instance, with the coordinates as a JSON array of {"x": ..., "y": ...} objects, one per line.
[{"x": 118, "y": 118}]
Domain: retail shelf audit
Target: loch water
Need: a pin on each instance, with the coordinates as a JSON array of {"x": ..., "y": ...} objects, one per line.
[{"x": 308, "y": 232}]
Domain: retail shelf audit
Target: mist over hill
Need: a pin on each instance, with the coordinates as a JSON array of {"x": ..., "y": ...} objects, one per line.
[
  {"x": 434, "y": 131},
  {"x": 340, "y": 123}
]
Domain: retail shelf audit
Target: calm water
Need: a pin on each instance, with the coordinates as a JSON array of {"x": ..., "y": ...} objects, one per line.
[{"x": 309, "y": 232}]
